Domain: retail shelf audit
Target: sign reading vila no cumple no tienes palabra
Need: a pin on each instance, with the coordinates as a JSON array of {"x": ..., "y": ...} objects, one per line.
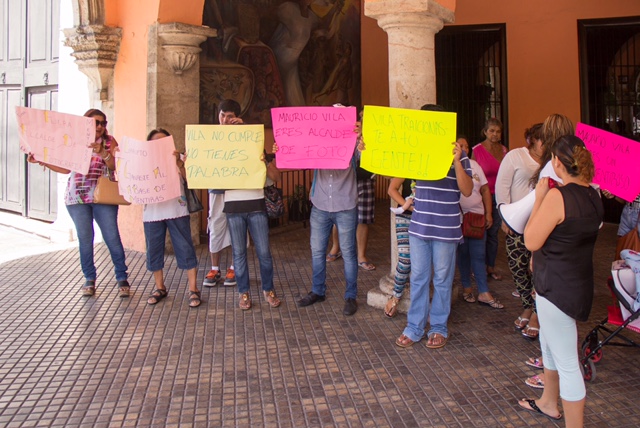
[{"x": 225, "y": 156}]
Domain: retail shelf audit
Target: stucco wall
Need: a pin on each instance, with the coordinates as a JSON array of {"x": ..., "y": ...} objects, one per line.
[{"x": 542, "y": 53}]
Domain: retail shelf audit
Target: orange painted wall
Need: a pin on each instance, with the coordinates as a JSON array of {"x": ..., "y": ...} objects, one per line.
[
  {"x": 185, "y": 11},
  {"x": 542, "y": 52},
  {"x": 130, "y": 79}
]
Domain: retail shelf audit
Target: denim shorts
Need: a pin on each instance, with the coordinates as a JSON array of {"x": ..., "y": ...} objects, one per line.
[{"x": 180, "y": 231}]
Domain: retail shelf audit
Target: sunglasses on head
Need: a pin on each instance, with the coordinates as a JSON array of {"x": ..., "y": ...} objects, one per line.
[{"x": 102, "y": 123}]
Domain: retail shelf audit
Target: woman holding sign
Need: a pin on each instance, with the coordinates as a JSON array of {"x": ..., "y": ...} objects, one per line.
[
  {"x": 174, "y": 216},
  {"x": 83, "y": 211}
]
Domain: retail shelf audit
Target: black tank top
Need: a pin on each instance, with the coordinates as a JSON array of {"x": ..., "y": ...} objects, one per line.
[{"x": 563, "y": 267}]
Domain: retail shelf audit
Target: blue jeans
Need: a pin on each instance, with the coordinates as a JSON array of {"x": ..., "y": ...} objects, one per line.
[
  {"x": 430, "y": 258},
  {"x": 155, "y": 233},
  {"x": 257, "y": 224},
  {"x": 471, "y": 258},
  {"x": 321, "y": 224},
  {"x": 107, "y": 218},
  {"x": 491, "y": 250},
  {"x": 628, "y": 220}
]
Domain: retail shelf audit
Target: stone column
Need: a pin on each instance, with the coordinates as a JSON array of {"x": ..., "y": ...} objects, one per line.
[
  {"x": 411, "y": 26},
  {"x": 95, "y": 48},
  {"x": 173, "y": 83}
]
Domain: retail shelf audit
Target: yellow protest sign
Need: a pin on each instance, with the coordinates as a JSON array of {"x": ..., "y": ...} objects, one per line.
[
  {"x": 225, "y": 156},
  {"x": 408, "y": 143}
]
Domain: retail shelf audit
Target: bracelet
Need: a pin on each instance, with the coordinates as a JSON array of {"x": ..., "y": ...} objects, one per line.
[{"x": 107, "y": 157}]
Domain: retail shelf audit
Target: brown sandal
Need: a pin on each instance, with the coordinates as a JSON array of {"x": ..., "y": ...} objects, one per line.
[
  {"x": 404, "y": 341},
  {"x": 436, "y": 341},
  {"x": 194, "y": 299},
  {"x": 245, "y": 301},
  {"x": 157, "y": 295},
  {"x": 391, "y": 308},
  {"x": 273, "y": 301},
  {"x": 468, "y": 297}
]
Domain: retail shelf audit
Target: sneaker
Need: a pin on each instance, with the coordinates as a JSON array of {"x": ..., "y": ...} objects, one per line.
[
  {"x": 230, "y": 278},
  {"x": 89, "y": 288},
  {"x": 212, "y": 278}
]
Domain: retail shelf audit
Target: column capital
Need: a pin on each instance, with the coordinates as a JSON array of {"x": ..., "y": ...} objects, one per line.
[
  {"x": 95, "y": 48},
  {"x": 182, "y": 42},
  {"x": 409, "y": 13}
]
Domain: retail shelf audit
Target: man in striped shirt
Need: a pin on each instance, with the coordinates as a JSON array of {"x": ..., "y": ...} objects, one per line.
[{"x": 434, "y": 235}]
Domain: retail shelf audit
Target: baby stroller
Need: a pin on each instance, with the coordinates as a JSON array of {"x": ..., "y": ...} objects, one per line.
[{"x": 621, "y": 314}]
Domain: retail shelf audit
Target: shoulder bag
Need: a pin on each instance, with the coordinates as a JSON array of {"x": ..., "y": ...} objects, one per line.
[
  {"x": 473, "y": 225},
  {"x": 107, "y": 193},
  {"x": 193, "y": 202}
]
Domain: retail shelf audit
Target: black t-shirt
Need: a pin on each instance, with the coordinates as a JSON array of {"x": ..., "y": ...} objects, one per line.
[{"x": 563, "y": 267}]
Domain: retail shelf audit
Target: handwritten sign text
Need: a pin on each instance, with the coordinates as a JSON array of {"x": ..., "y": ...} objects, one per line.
[
  {"x": 408, "y": 143},
  {"x": 225, "y": 156},
  {"x": 58, "y": 139},
  {"x": 314, "y": 137},
  {"x": 147, "y": 171},
  {"x": 615, "y": 159}
]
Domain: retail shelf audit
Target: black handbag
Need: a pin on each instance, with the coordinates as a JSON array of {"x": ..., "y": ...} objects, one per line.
[
  {"x": 273, "y": 201},
  {"x": 193, "y": 202}
]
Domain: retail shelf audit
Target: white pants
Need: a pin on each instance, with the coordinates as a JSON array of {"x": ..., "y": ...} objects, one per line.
[
  {"x": 558, "y": 342},
  {"x": 219, "y": 237}
]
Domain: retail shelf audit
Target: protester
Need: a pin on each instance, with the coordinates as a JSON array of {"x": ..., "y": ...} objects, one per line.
[
  {"x": 512, "y": 185},
  {"x": 471, "y": 252},
  {"x": 83, "y": 211},
  {"x": 334, "y": 195},
  {"x": 434, "y": 235},
  {"x": 489, "y": 154},
  {"x": 403, "y": 192},
  {"x": 366, "y": 209},
  {"x": 246, "y": 212},
  {"x": 219, "y": 237},
  {"x": 172, "y": 215},
  {"x": 565, "y": 221}
]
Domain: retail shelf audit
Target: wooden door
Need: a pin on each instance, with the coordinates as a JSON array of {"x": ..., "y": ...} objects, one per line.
[{"x": 29, "y": 51}]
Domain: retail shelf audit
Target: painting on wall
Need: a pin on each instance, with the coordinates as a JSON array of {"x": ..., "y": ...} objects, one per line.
[{"x": 274, "y": 53}]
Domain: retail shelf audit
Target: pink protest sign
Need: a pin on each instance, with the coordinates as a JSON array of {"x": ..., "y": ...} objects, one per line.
[
  {"x": 616, "y": 159},
  {"x": 147, "y": 171},
  {"x": 58, "y": 139},
  {"x": 314, "y": 137}
]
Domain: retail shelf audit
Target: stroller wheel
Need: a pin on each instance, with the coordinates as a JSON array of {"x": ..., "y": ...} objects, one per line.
[
  {"x": 587, "y": 349},
  {"x": 588, "y": 370}
]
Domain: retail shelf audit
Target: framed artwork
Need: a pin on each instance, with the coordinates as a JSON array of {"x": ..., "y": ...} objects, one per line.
[{"x": 274, "y": 53}]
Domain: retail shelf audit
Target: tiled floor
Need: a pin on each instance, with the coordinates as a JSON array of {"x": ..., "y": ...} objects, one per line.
[{"x": 68, "y": 360}]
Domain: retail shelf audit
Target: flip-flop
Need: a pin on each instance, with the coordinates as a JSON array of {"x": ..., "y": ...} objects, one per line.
[
  {"x": 494, "y": 303},
  {"x": 527, "y": 335},
  {"x": 521, "y": 323},
  {"x": 440, "y": 345},
  {"x": 404, "y": 341},
  {"x": 535, "y": 362},
  {"x": 367, "y": 266},
  {"x": 333, "y": 257},
  {"x": 496, "y": 276},
  {"x": 534, "y": 382},
  {"x": 533, "y": 407}
]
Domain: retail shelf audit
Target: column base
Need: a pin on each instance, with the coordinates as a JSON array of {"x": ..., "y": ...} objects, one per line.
[{"x": 377, "y": 297}]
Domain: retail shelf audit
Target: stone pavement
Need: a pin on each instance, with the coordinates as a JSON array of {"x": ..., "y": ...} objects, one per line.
[{"x": 68, "y": 360}]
